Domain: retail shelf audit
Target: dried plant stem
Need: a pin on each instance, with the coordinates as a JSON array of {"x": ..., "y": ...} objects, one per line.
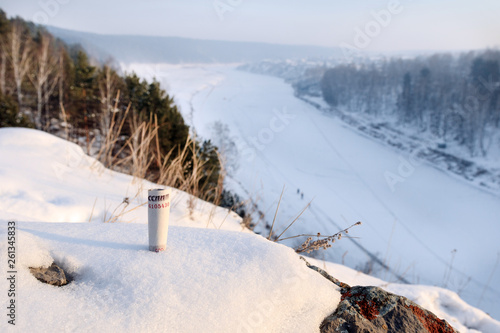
[
  {"x": 323, "y": 242},
  {"x": 310, "y": 235},
  {"x": 115, "y": 218},
  {"x": 225, "y": 217},
  {"x": 211, "y": 216},
  {"x": 105, "y": 211},
  {"x": 92, "y": 212},
  {"x": 65, "y": 119},
  {"x": 298, "y": 216},
  {"x": 276, "y": 213},
  {"x": 124, "y": 204},
  {"x": 105, "y": 154}
]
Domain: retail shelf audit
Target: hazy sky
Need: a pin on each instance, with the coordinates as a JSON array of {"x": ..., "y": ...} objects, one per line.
[{"x": 410, "y": 25}]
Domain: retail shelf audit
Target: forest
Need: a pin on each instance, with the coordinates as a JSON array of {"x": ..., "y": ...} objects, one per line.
[
  {"x": 452, "y": 98},
  {"x": 128, "y": 124}
]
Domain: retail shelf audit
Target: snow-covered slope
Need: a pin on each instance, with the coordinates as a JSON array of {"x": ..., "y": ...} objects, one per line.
[
  {"x": 44, "y": 178},
  {"x": 425, "y": 225},
  {"x": 208, "y": 280}
]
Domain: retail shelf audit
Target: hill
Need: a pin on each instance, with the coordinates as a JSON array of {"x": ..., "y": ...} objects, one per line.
[{"x": 176, "y": 50}]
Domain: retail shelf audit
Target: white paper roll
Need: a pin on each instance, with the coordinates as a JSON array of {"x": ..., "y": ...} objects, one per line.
[{"x": 158, "y": 217}]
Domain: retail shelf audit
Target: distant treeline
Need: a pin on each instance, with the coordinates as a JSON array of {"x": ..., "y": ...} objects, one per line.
[
  {"x": 454, "y": 98},
  {"x": 48, "y": 85}
]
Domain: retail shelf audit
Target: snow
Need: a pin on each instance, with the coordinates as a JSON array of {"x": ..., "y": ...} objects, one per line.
[
  {"x": 216, "y": 276},
  {"x": 210, "y": 279},
  {"x": 426, "y": 225},
  {"x": 206, "y": 281}
]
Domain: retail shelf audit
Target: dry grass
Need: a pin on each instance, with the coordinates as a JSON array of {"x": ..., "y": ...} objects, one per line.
[
  {"x": 253, "y": 216},
  {"x": 276, "y": 213},
  {"x": 139, "y": 152},
  {"x": 278, "y": 238},
  {"x": 322, "y": 242},
  {"x": 106, "y": 154},
  {"x": 174, "y": 173},
  {"x": 124, "y": 207},
  {"x": 125, "y": 203},
  {"x": 309, "y": 245},
  {"x": 141, "y": 157},
  {"x": 92, "y": 212}
]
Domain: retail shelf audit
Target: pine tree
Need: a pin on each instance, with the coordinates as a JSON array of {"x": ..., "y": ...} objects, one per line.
[
  {"x": 83, "y": 90},
  {"x": 406, "y": 101},
  {"x": 9, "y": 116}
]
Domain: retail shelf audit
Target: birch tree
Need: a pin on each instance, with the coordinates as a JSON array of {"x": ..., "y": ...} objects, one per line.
[
  {"x": 19, "y": 56},
  {"x": 44, "y": 76},
  {"x": 4, "y": 29},
  {"x": 108, "y": 86},
  {"x": 3, "y": 70}
]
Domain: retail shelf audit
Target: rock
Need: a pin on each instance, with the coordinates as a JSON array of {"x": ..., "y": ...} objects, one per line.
[
  {"x": 53, "y": 275},
  {"x": 374, "y": 310}
]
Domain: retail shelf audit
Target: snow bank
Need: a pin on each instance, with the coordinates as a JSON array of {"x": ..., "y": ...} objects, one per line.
[
  {"x": 45, "y": 178},
  {"x": 206, "y": 281}
]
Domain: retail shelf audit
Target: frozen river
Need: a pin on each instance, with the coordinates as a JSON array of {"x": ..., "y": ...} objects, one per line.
[{"x": 425, "y": 225}]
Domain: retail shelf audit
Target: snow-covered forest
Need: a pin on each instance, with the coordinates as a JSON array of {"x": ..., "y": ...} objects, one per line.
[{"x": 455, "y": 98}]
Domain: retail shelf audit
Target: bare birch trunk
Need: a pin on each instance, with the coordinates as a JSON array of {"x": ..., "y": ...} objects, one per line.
[
  {"x": 107, "y": 89},
  {"x": 3, "y": 70},
  {"x": 19, "y": 57},
  {"x": 44, "y": 72}
]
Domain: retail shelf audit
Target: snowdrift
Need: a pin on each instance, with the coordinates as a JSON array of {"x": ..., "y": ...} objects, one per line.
[{"x": 206, "y": 281}]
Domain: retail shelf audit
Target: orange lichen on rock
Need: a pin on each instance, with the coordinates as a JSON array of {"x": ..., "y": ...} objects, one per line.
[
  {"x": 372, "y": 309},
  {"x": 432, "y": 323},
  {"x": 366, "y": 308}
]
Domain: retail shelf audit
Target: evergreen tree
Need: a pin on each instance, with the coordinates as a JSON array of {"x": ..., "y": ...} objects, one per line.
[
  {"x": 83, "y": 91},
  {"x": 422, "y": 96},
  {"x": 211, "y": 170},
  {"x": 150, "y": 100},
  {"x": 484, "y": 70},
  {"x": 405, "y": 103},
  {"x": 9, "y": 116}
]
